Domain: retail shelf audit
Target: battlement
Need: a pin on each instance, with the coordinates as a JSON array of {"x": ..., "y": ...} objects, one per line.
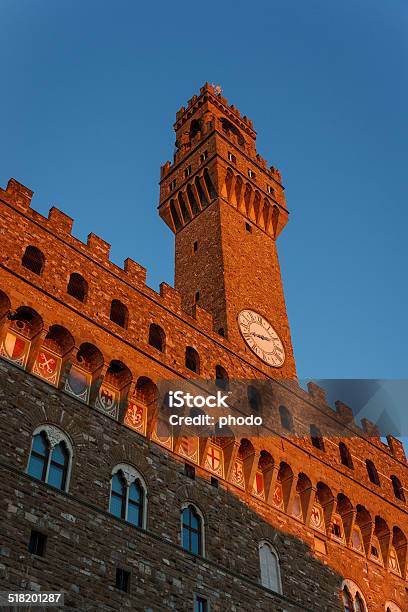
[
  {"x": 97, "y": 250},
  {"x": 209, "y": 92},
  {"x": 214, "y": 113}
]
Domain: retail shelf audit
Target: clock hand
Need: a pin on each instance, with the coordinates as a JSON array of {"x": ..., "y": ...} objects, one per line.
[{"x": 260, "y": 336}]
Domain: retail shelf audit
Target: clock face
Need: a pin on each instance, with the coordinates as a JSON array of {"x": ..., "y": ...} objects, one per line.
[{"x": 261, "y": 338}]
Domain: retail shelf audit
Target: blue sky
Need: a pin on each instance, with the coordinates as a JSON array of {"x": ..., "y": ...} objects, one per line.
[{"x": 89, "y": 95}]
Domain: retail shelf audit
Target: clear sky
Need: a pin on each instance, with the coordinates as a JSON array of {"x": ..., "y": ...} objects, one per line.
[{"x": 89, "y": 95}]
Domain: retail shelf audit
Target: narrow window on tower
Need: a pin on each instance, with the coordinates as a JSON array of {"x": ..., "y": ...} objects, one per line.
[
  {"x": 251, "y": 174},
  {"x": 232, "y": 157},
  {"x": 203, "y": 156},
  {"x": 270, "y": 190},
  {"x": 187, "y": 171},
  {"x": 36, "y": 545},
  {"x": 197, "y": 297},
  {"x": 248, "y": 227},
  {"x": 122, "y": 580},
  {"x": 195, "y": 246},
  {"x": 173, "y": 184}
]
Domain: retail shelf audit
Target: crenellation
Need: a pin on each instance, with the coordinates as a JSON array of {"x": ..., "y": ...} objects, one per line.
[
  {"x": 317, "y": 393},
  {"x": 371, "y": 429},
  {"x": 345, "y": 413},
  {"x": 171, "y": 297},
  {"x": 20, "y": 194},
  {"x": 397, "y": 448},
  {"x": 59, "y": 221},
  {"x": 135, "y": 270},
  {"x": 98, "y": 247}
]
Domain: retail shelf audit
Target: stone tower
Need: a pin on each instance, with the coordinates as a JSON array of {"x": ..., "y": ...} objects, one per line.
[{"x": 227, "y": 208}]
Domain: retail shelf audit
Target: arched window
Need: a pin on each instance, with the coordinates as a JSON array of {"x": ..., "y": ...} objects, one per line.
[
  {"x": 286, "y": 418},
  {"x": 77, "y": 287},
  {"x": 316, "y": 437},
  {"x": 345, "y": 455},
  {"x": 128, "y": 495},
  {"x": 347, "y": 601},
  {"x": 50, "y": 457},
  {"x": 270, "y": 570},
  {"x": 221, "y": 378},
  {"x": 372, "y": 472},
  {"x": 119, "y": 313},
  {"x": 254, "y": 399},
  {"x": 358, "y": 604},
  {"x": 33, "y": 259},
  {"x": 192, "y": 360},
  {"x": 398, "y": 490},
  {"x": 353, "y": 601},
  {"x": 157, "y": 337},
  {"x": 192, "y": 528}
]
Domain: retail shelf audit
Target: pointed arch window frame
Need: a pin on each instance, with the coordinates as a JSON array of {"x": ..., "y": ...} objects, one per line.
[
  {"x": 130, "y": 476},
  {"x": 54, "y": 436}
]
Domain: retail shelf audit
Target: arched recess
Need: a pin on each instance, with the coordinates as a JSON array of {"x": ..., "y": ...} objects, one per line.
[
  {"x": 275, "y": 221},
  {"x": 209, "y": 184},
  {"x": 113, "y": 389},
  {"x": 362, "y": 530},
  {"x": 175, "y": 216},
  {"x": 84, "y": 371},
  {"x": 397, "y": 558},
  {"x": 200, "y": 192},
  {"x": 264, "y": 219},
  {"x": 228, "y": 184},
  {"x": 141, "y": 408},
  {"x": 243, "y": 464},
  {"x": 183, "y": 207},
  {"x": 53, "y": 354},
  {"x": 248, "y": 195},
  {"x": 326, "y": 499},
  {"x": 303, "y": 497},
  {"x": 321, "y": 508},
  {"x": 283, "y": 486},
  {"x": 21, "y": 335},
  {"x": 263, "y": 476},
  {"x": 192, "y": 200},
  {"x": 239, "y": 193},
  {"x": 343, "y": 519},
  {"x": 380, "y": 541}
]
